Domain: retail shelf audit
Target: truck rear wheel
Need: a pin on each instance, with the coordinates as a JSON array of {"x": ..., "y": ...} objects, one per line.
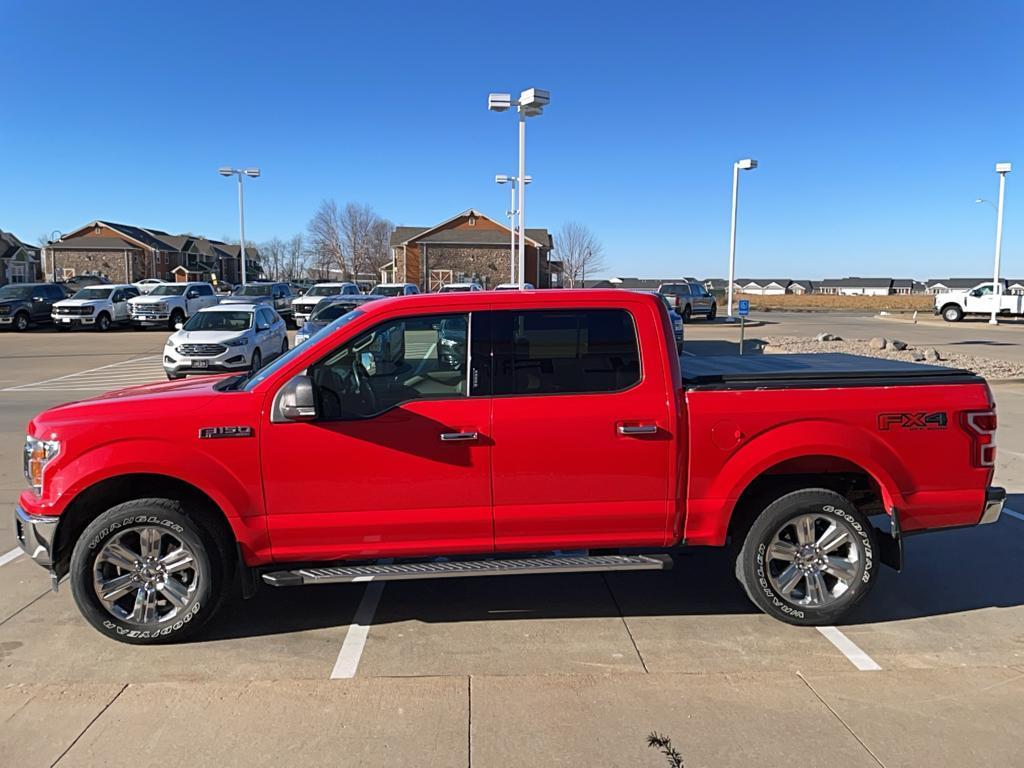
[
  {"x": 808, "y": 558},
  {"x": 952, "y": 313},
  {"x": 144, "y": 572}
]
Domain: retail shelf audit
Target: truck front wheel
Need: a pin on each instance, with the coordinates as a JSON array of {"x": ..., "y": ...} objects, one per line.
[
  {"x": 808, "y": 558},
  {"x": 952, "y": 313},
  {"x": 144, "y": 572}
]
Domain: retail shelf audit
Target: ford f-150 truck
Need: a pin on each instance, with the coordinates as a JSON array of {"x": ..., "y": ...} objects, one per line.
[{"x": 562, "y": 437}]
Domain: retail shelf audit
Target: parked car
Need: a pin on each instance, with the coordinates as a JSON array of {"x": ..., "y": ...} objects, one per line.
[
  {"x": 303, "y": 306},
  {"x": 460, "y": 288},
  {"x": 97, "y": 307},
  {"x": 74, "y": 284},
  {"x": 224, "y": 289},
  {"x": 170, "y": 304},
  {"x": 572, "y": 425},
  {"x": 23, "y": 305},
  {"x": 225, "y": 338},
  {"x": 513, "y": 287},
  {"x": 148, "y": 284},
  {"x": 690, "y": 299},
  {"x": 394, "y": 289},
  {"x": 327, "y": 311},
  {"x": 276, "y": 295},
  {"x": 979, "y": 300}
]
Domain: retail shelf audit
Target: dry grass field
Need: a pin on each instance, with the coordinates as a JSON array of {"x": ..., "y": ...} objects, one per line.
[{"x": 821, "y": 302}]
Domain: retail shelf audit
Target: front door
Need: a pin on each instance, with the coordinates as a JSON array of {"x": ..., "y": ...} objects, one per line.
[
  {"x": 397, "y": 462},
  {"x": 582, "y": 441}
]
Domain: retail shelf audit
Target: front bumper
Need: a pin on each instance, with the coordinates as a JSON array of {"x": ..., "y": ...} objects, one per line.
[
  {"x": 72, "y": 321},
  {"x": 995, "y": 498},
  {"x": 36, "y": 535},
  {"x": 235, "y": 359},
  {"x": 151, "y": 319}
]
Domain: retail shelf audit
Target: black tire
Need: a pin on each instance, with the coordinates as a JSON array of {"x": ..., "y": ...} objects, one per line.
[
  {"x": 713, "y": 312},
  {"x": 687, "y": 313},
  {"x": 256, "y": 362},
  {"x": 760, "y": 574},
  {"x": 103, "y": 322},
  {"x": 167, "y": 518},
  {"x": 177, "y": 316},
  {"x": 952, "y": 313},
  {"x": 21, "y": 321}
]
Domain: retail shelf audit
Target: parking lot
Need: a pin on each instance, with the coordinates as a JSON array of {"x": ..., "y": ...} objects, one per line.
[{"x": 546, "y": 670}]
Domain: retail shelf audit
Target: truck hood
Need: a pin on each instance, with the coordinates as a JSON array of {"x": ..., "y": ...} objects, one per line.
[
  {"x": 79, "y": 302},
  {"x": 12, "y": 302},
  {"x": 157, "y": 401},
  {"x": 149, "y": 299},
  {"x": 205, "y": 337}
]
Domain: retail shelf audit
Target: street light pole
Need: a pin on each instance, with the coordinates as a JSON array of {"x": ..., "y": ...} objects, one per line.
[
  {"x": 252, "y": 173},
  {"x": 522, "y": 200},
  {"x": 740, "y": 165},
  {"x": 1002, "y": 169}
]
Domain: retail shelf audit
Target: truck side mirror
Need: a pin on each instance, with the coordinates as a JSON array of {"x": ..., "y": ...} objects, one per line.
[{"x": 296, "y": 400}]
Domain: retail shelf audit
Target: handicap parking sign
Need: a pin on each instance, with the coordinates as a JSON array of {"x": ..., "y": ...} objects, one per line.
[{"x": 744, "y": 307}]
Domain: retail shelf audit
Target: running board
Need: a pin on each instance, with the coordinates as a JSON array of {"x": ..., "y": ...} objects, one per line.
[{"x": 450, "y": 569}]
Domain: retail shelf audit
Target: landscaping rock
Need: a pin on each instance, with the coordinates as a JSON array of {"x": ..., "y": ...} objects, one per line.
[
  {"x": 878, "y": 342},
  {"x": 825, "y": 337},
  {"x": 898, "y": 345},
  {"x": 917, "y": 356},
  {"x": 932, "y": 355}
]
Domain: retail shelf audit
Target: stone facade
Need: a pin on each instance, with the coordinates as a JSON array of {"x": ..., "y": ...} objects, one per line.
[
  {"x": 486, "y": 265},
  {"x": 109, "y": 264}
]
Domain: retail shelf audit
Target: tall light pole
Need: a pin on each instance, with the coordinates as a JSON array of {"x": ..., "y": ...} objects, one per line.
[
  {"x": 511, "y": 213},
  {"x": 1002, "y": 169},
  {"x": 740, "y": 165},
  {"x": 530, "y": 103},
  {"x": 252, "y": 173}
]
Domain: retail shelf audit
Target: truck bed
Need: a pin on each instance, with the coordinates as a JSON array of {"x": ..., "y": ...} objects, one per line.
[{"x": 828, "y": 369}]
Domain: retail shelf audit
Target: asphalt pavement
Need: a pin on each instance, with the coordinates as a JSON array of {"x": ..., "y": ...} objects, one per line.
[{"x": 545, "y": 670}]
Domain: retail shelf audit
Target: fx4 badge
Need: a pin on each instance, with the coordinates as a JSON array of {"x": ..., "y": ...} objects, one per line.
[{"x": 918, "y": 420}]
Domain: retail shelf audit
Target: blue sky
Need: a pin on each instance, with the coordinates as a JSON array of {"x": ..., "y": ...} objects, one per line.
[{"x": 876, "y": 124}]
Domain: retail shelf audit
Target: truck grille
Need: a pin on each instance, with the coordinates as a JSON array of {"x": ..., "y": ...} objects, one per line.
[
  {"x": 5, "y": 309},
  {"x": 148, "y": 309},
  {"x": 72, "y": 310},
  {"x": 201, "y": 350}
]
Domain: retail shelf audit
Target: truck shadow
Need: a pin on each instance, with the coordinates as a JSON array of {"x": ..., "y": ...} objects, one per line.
[
  {"x": 713, "y": 347},
  {"x": 945, "y": 573}
]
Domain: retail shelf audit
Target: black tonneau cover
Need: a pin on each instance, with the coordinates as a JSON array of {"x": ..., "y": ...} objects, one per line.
[{"x": 827, "y": 369}]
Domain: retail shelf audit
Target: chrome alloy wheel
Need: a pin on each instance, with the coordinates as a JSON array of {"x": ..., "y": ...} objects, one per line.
[
  {"x": 813, "y": 559},
  {"x": 145, "y": 576}
]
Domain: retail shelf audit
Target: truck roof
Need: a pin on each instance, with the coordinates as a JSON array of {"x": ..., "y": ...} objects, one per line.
[{"x": 467, "y": 301}]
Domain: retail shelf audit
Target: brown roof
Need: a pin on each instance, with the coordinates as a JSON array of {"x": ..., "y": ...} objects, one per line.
[{"x": 94, "y": 244}]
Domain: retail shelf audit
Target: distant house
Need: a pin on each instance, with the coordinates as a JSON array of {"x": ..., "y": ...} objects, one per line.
[
  {"x": 765, "y": 287},
  {"x": 125, "y": 253},
  {"x": 856, "y": 286},
  {"x": 638, "y": 283},
  {"x": 467, "y": 247},
  {"x": 954, "y": 284},
  {"x": 717, "y": 284},
  {"x": 800, "y": 287},
  {"x": 905, "y": 286},
  {"x": 19, "y": 262}
]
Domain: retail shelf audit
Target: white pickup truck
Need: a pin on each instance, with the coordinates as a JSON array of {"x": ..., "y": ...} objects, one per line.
[{"x": 978, "y": 300}]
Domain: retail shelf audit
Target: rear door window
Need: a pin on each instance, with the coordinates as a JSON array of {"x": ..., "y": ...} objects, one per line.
[{"x": 541, "y": 352}]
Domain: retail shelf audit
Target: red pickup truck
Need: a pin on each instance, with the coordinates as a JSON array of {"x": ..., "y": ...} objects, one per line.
[{"x": 497, "y": 434}]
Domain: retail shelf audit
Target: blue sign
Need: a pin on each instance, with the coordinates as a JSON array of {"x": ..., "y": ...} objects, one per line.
[{"x": 744, "y": 307}]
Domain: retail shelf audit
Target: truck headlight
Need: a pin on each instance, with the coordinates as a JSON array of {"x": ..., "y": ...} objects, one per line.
[
  {"x": 239, "y": 342},
  {"x": 38, "y": 453}
]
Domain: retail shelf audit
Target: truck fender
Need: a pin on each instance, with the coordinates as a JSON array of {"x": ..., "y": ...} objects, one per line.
[{"x": 708, "y": 521}]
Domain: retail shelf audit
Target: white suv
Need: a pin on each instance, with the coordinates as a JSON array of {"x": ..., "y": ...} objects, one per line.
[
  {"x": 394, "y": 289},
  {"x": 95, "y": 306},
  {"x": 171, "y": 303},
  {"x": 304, "y": 305},
  {"x": 228, "y": 337}
]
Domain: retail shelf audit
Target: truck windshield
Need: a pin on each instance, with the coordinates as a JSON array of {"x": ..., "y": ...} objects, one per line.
[
  {"x": 16, "y": 292},
  {"x": 219, "y": 321},
  {"x": 93, "y": 293},
  {"x": 387, "y": 290},
  {"x": 286, "y": 359},
  {"x": 324, "y": 290},
  {"x": 253, "y": 290},
  {"x": 168, "y": 290}
]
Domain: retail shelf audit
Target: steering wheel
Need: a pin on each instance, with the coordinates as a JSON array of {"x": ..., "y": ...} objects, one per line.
[{"x": 363, "y": 392}]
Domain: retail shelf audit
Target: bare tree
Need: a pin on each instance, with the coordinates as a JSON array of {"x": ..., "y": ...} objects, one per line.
[
  {"x": 326, "y": 241},
  {"x": 579, "y": 251},
  {"x": 365, "y": 237},
  {"x": 274, "y": 253},
  {"x": 296, "y": 257}
]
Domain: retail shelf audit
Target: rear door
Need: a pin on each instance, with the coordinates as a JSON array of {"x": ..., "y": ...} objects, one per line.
[{"x": 581, "y": 430}]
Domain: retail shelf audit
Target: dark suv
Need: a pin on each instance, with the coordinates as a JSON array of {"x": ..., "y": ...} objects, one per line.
[
  {"x": 26, "y": 304},
  {"x": 690, "y": 299}
]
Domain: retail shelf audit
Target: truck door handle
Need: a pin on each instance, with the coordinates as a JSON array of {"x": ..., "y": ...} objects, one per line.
[
  {"x": 455, "y": 437},
  {"x": 638, "y": 429}
]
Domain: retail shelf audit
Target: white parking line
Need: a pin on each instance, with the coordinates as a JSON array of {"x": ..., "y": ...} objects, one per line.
[
  {"x": 849, "y": 649},
  {"x": 1013, "y": 513},
  {"x": 139, "y": 370},
  {"x": 13, "y": 554},
  {"x": 355, "y": 640}
]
